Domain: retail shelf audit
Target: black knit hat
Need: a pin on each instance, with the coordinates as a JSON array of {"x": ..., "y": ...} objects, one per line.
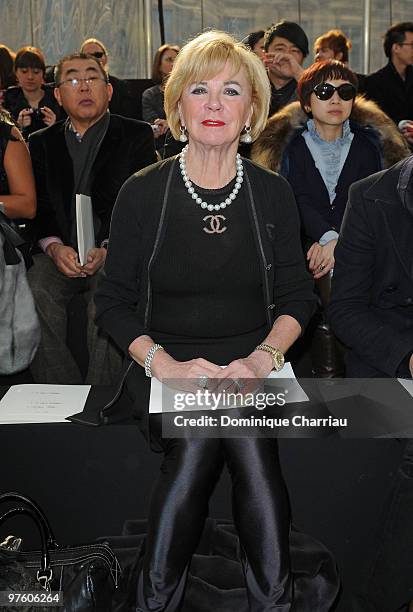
[{"x": 289, "y": 30}]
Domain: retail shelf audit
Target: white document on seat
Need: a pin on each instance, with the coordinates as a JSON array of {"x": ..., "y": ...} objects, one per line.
[
  {"x": 42, "y": 403},
  {"x": 295, "y": 392},
  {"x": 84, "y": 225}
]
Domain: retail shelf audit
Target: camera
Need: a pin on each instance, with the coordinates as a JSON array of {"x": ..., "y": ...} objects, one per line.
[{"x": 37, "y": 114}]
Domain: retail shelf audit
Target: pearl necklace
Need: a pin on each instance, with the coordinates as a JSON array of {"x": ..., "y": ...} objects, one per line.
[{"x": 197, "y": 198}]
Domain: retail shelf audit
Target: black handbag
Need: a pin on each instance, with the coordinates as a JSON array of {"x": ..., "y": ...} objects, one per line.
[{"x": 87, "y": 575}]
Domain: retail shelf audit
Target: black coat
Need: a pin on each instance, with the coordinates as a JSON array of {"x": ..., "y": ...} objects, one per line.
[
  {"x": 371, "y": 307},
  {"x": 391, "y": 93},
  {"x": 318, "y": 216},
  {"x": 127, "y": 147}
]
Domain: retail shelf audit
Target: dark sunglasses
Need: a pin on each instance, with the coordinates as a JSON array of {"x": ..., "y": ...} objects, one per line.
[
  {"x": 325, "y": 91},
  {"x": 98, "y": 54}
]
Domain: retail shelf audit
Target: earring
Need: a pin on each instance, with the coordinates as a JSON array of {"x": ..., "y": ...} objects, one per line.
[
  {"x": 246, "y": 136},
  {"x": 183, "y": 137}
]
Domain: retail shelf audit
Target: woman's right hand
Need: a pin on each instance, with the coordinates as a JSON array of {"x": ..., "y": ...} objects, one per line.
[
  {"x": 24, "y": 118},
  {"x": 185, "y": 375}
]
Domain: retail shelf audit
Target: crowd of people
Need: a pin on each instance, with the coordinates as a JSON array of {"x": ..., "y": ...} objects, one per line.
[
  {"x": 319, "y": 161},
  {"x": 210, "y": 258}
]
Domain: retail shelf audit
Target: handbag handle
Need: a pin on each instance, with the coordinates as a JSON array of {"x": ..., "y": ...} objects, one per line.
[
  {"x": 13, "y": 242},
  {"x": 40, "y": 515},
  {"x": 44, "y": 574}
]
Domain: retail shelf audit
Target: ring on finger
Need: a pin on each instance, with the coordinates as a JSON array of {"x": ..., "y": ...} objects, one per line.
[
  {"x": 321, "y": 266},
  {"x": 239, "y": 385},
  {"x": 203, "y": 381}
]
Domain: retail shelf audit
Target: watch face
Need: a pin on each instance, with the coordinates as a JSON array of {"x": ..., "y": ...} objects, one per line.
[{"x": 278, "y": 360}]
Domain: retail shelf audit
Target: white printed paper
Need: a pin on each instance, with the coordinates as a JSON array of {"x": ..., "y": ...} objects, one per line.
[
  {"x": 42, "y": 403},
  {"x": 295, "y": 393},
  {"x": 84, "y": 226}
]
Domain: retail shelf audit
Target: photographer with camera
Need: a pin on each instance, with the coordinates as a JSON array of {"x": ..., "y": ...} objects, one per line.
[{"x": 31, "y": 103}]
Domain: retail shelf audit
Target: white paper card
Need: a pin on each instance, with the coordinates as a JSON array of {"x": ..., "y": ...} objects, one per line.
[
  {"x": 407, "y": 384},
  {"x": 42, "y": 403},
  {"x": 295, "y": 391},
  {"x": 84, "y": 225}
]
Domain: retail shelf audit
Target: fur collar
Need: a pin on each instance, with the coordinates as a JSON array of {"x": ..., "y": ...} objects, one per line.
[{"x": 281, "y": 127}]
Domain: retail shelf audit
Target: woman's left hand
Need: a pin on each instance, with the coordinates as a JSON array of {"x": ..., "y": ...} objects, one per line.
[{"x": 245, "y": 374}]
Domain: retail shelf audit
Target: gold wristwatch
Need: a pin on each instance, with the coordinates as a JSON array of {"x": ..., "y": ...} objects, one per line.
[{"x": 276, "y": 354}]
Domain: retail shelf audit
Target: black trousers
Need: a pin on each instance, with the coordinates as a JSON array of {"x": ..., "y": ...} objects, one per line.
[
  {"x": 389, "y": 587},
  {"x": 179, "y": 506}
]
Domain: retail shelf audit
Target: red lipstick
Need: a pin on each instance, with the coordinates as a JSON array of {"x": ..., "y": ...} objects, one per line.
[{"x": 213, "y": 123}]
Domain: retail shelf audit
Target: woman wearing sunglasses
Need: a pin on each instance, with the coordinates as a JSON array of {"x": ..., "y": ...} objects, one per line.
[
  {"x": 322, "y": 144},
  {"x": 119, "y": 103}
]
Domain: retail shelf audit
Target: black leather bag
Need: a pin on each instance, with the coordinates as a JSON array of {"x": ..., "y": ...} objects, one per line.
[{"x": 86, "y": 574}]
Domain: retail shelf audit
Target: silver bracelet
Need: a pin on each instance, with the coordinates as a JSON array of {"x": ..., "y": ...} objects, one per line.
[{"x": 149, "y": 358}]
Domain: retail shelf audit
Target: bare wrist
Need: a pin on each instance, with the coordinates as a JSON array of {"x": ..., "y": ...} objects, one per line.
[
  {"x": 298, "y": 72},
  {"x": 264, "y": 361},
  {"x": 160, "y": 361},
  {"x": 51, "y": 249}
]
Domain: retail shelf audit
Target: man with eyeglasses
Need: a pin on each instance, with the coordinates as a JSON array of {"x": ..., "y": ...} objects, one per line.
[
  {"x": 92, "y": 153},
  {"x": 392, "y": 86},
  {"x": 285, "y": 47}
]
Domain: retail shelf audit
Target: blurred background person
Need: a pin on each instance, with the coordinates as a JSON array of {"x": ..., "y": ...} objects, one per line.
[
  {"x": 153, "y": 101},
  {"x": 255, "y": 41},
  {"x": 322, "y": 148},
  {"x": 7, "y": 76},
  {"x": 332, "y": 45},
  {"x": 31, "y": 104},
  {"x": 286, "y": 47},
  {"x": 96, "y": 48},
  {"x": 392, "y": 86}
]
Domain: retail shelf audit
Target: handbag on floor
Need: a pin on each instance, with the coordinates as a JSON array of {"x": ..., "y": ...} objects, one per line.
[{"x": 86, "y": 575}]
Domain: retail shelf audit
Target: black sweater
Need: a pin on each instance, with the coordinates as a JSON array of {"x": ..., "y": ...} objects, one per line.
[{"x": 124, "y": 298}]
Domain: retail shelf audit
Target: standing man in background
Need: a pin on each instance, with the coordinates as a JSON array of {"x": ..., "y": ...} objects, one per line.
[
  {"x": 286, "y": 47},
  {"x": 392, "y": 86}
]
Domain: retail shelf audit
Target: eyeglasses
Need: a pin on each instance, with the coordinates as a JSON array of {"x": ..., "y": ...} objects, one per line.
[
  {"x": 406, "y": 44},
  {"x": 325, "y": 91},
  {"x": 89, "y": 81}
]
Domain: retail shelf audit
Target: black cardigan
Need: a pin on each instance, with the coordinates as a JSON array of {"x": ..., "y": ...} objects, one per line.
[{"x": 123, "y": 300}]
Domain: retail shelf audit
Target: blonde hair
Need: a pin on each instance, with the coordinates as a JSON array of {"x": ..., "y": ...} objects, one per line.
[
  {"x": 204, "y": 57},
  {"x": 94, "y": 41}
]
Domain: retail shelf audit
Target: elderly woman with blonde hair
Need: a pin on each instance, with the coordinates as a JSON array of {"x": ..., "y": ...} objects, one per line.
[{"x": 205, "y": 269}]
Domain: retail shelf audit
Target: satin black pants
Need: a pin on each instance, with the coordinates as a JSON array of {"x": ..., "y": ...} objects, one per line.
[{"x": 179, "y": 507}]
